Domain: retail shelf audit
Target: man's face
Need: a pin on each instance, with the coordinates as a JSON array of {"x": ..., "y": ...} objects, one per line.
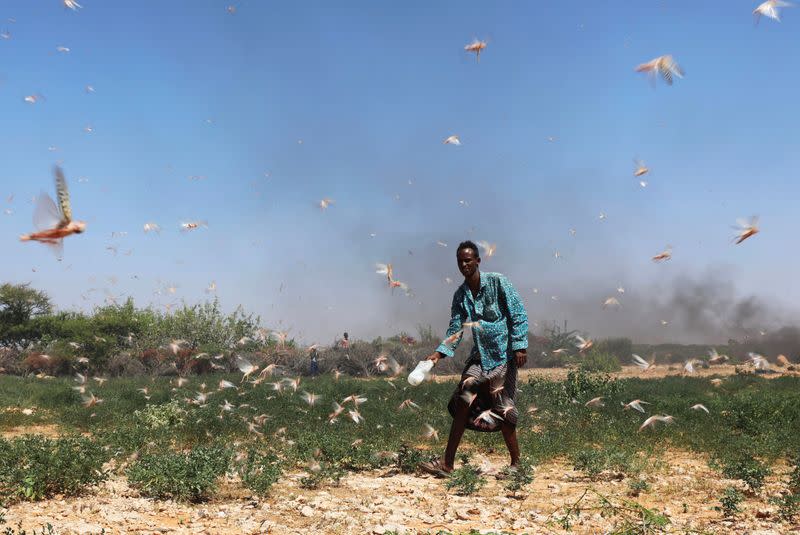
[{"x": 467, "y": 262}]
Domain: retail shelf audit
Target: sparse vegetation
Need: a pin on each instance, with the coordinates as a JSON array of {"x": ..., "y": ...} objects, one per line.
[
  {"x": 599, "y": 361},
  {"x": 518, "y": 477},
  {"x": 629, "y": 517},
  {"x": 729, "y": 502},
  {"x": 259, "y": 470},
  {"x": 637, "y": 486},
  {"x": 325, "y": 473},
  {"x": 596, "y": 461},
  {"x": 157, "y": 432},
  {"x": 788, "y": 506},
  {"x": 408, "y": 459},
  {"x": 744, "y": 466},
  {"x": 466, "y": 479}
]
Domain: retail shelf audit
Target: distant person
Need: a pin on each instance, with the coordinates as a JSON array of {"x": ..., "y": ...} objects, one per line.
[
  {"x": 484, "y": 398},
  {"x": 314, "y": 366},
  {"x": 344, "y": 343}
]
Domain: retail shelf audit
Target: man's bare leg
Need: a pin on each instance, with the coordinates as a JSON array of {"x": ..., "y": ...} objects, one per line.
[
  {"x": 510, "y": 436},
  {"x": 456, "y": 432}
]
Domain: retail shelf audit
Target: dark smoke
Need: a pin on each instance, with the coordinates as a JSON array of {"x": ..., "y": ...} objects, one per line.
[{"x": 706, "y": 309}]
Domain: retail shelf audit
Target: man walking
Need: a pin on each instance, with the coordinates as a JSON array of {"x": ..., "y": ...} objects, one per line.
[{"x": 484, "y": 398}]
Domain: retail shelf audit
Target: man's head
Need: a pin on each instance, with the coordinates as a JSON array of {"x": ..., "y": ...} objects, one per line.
[
  {"x": 469, "y": 257},
  {"x": 345, "y": 336}
]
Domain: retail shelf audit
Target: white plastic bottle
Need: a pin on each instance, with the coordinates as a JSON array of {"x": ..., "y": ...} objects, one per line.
[{"x": 421, "y": 373}]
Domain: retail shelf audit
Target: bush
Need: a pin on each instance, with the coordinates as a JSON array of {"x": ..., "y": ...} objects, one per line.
[
  {"x": 325, "y": 472},
  {"x": 259, "y": 471},
  {"x": 794, "y": 477},
  {"x": 167, "y": 415},
  {"x": 584, "y": 385},
  {"x": 729, "y": 502},
  {"x": 519, "y": 476},
  {"x": 180, "y": 476},
  {"x": 408, "y": 459},
  {"x": 10, "y": 361},
  {"x": 34, "y": 467},
  {"x": 745, "y": 467},
  {"x": 621, "y": 348},
  {"x": 788, "y": 506},
  {"x": 554, "y": 339},
  {"x": 637, "y": 486},
  {"x": 599, "y": 361},
  {"x": 467, "y": 479},
  {"x": 594, "y": 461},
  {"x": 125, "y": 365}
]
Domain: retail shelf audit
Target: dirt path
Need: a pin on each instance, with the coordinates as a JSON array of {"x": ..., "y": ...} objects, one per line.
[{"x": 682, "y": 486}]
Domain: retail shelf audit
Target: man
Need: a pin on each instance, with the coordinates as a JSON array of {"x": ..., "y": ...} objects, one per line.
[
  {"x": 314, "y": 367},
  {"x": 484, "y": 398},
  {"x": 344, "y": 343}
]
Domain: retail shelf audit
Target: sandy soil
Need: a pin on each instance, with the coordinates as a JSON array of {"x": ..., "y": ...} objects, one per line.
[
  {"x": 682, "y": 486},
  {"x": 555, "y": 374}
]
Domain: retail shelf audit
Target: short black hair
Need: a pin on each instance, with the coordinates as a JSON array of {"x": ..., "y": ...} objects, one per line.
[{"x": 469, "y": 244}]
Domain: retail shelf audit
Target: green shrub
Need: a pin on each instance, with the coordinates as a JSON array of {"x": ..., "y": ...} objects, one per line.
[
  {"x": 788, "y": 506},
  {"x": 595, "y": 461},
  {"x": 584, "y": 385},
  {"x": 408, "y": 459},
  {"x": 794, "y": 477},
  {"x": 621, "y": 348},
  {"x": 164, "y": 416},
  {"x": 518, "y": 477},
  {"x": 180, "y": 476},
  {"x": 637, "y": 486},
  {"x": 592, "y": 462},
  {"x": 599, "y": 361},
  {"x": 745, "y": 467},
  {"x": 467, "y": 479},
  {"x": 729, "y": 502},
  {"x": 259, "y": 471},
  {"x": 34, "y": 467}
]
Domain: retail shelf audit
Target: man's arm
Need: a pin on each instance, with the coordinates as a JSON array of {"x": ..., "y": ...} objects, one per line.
[
  {"x": 517, "y": 321},
  {"x": 457, "y": 315}
]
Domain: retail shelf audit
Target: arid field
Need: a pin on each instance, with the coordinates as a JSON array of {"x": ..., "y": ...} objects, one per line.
[{"x": 592, "y": 470}]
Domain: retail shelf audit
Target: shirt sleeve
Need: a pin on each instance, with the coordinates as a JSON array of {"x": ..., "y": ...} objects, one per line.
[
  {"x": 517, "y": 317},
  {"x": 456, "y": 321}
]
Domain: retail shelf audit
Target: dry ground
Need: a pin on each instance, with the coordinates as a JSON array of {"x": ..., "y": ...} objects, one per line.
[
  {"x": 627, "y": 372},
  {"x": 682, "y": 486}
]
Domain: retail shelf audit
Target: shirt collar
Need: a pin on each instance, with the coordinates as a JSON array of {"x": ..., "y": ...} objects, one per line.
[{"x": 484, "y": 282}]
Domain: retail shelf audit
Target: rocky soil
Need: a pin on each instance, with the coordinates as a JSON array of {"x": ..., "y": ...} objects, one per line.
[{"x": 682, "y": 487}]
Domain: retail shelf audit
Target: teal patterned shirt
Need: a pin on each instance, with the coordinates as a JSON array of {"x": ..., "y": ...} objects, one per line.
[{"x": 499, "y": 311}]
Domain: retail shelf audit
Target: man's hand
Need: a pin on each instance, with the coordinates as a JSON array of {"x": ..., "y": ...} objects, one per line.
[
  {"x": 522, "y": 357},
  {"x": 435, "y": 356}
]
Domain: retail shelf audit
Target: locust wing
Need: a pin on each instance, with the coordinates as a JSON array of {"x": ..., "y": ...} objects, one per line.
[{"x": 63, "y": 196}]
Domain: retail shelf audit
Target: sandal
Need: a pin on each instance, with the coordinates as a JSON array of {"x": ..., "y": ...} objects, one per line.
[{"x": 435, "y": 468}]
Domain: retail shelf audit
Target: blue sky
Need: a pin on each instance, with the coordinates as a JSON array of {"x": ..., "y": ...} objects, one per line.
[{"x": 371, "y": 89}]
